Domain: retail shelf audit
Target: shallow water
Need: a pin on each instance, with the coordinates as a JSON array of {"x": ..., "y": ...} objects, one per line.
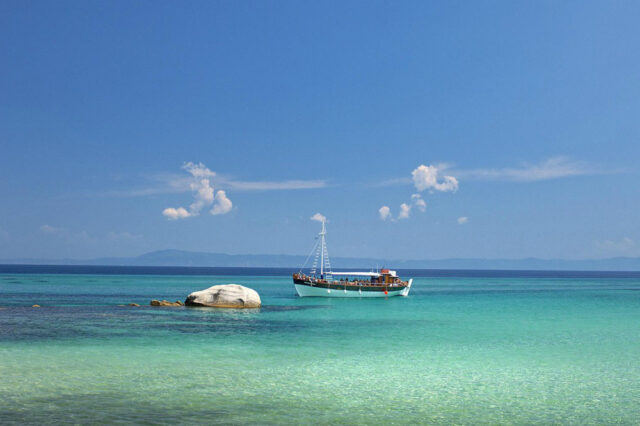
[{"x": 466, "y": 350}]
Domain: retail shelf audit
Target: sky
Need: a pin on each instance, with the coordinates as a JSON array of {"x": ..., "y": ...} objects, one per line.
[{"x": 420, "y": 130}]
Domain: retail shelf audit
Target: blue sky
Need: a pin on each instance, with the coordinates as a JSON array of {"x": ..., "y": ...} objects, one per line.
[{"x": 294, "y": 108}]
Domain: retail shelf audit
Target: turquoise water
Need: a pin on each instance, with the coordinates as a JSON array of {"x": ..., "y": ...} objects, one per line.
[{"x": 465, "y": 350}]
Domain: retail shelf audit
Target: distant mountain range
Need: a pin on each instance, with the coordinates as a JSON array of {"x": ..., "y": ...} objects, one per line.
[{"x": 190, "y": 258}]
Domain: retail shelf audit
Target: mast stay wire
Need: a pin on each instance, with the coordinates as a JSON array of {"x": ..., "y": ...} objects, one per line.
[{"x": 312, "y": 251}]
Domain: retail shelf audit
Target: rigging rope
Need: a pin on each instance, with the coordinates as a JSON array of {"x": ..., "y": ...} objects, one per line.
[{"x": 308, "y": 257}]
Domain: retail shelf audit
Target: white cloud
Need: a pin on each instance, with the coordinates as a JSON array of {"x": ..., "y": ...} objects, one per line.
[
  {"x": 198, "y": 170},
  {"x": 405, "y": 210},
  {"x": 203, "y": 194},
  {"x": 166, "y": 183},
  {"x": 385, "y": 212},
  {"x": 200, "y": 185},
  {"x": 419, "y": 202},
  {"x": 270, "y": 186},
  {"x": 426, "y": 177},
  {"x": 462, "y": 220},
  {"x": 416, "y": 199},
  {"x": 552, "y": 168},
  {"x": 318, "y": 217},
  {"x": 222, "y": 204},
  {"x": 555, "y": 167},
  {"x": 173, "y": 214}
]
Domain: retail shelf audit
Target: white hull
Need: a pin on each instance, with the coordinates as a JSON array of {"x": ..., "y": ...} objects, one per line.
[{"x": 310, "y": 291}]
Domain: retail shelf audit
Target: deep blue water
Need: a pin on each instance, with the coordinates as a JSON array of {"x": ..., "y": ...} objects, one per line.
[{"x": 184, "y": 270}]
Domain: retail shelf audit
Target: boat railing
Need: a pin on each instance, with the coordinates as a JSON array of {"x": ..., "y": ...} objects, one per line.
[{"x": 314, "y": 280}]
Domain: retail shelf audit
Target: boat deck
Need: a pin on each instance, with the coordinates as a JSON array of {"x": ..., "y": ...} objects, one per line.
[{"x": 359, "y": 285}]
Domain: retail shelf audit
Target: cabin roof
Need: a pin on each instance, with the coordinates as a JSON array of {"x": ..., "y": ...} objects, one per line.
[{"x": 358, "y": 274}]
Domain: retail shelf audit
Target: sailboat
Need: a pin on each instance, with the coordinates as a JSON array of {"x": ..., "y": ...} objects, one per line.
[{"x": 321, "y": 281}]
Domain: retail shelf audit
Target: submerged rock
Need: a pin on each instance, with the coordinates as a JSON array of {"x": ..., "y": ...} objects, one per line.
[
  {"x": 134, "y": 304},
  {"x": 225, "y": 296},
  {"x": 165, "y": 303}
]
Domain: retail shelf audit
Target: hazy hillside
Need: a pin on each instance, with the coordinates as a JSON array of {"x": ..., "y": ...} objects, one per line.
[{"x": 189, "y": 258}]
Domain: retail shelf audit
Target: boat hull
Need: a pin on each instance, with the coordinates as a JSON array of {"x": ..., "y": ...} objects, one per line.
[{"x": 307, "y": 290}]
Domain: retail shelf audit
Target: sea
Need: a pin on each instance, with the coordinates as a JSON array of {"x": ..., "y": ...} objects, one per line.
[{"x": 466, "y": 347}]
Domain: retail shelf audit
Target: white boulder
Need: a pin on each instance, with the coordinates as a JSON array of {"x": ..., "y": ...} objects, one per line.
[{"x": 225, "y": 296}]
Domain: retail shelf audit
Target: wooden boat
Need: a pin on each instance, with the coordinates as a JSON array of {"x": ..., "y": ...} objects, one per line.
[{"x": 326, "y": 283}]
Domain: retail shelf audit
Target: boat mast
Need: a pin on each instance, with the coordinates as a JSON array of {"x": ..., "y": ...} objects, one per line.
[
  {"x": 323, "y": 248},
  {"x": 322, "y": 254}
]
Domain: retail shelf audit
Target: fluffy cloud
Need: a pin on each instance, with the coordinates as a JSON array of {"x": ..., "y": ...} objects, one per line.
[
  {"x": 385, "y": 212},
  {"x": 200, "y": 185},
  {"x": 222, "y": 204},
  {"x": 462, "y": 220},
  {"x": 417, "y": 201},
  {"x": 405, "y": 210},
  {"x": 173, "y": 214},
  {"x": 318, "y": 217},
  {"x": 198, "y": 170},
  {"x": 426, "y": 177}
]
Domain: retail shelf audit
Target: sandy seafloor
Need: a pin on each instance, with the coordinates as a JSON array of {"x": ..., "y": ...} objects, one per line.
[{"x": 482, "y": 348}]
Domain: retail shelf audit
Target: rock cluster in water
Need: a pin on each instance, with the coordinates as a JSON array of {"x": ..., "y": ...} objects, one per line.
[
  {"x": 165, "y": 303},
  {"x": 225, "y": 296}
]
